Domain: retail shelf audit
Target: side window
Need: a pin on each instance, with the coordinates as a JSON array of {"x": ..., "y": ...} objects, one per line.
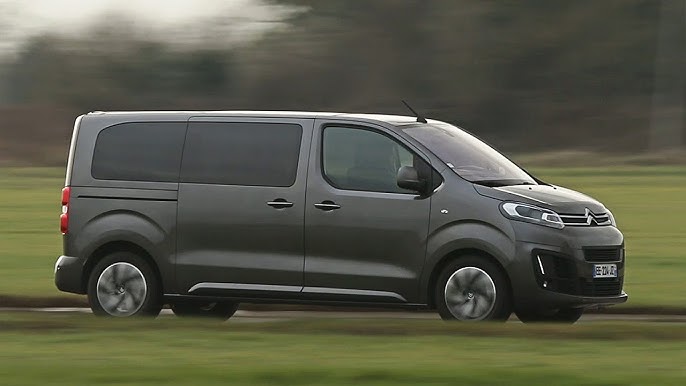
[
  {"x": 252, "y": 154},
  {"x": 359, "y": 159},
  {"x": 144, "y": 151}
]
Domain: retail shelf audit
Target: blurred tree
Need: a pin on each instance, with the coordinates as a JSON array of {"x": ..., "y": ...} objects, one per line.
[
  {"x": 561, "y": 72},
  {"x": 526, "y": 75},
  {"x": 667, "y": 123},
  {"x": 108, "y": 73}
]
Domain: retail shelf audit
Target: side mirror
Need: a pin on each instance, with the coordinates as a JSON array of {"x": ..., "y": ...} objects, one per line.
[{"x": 408, "y": 178}]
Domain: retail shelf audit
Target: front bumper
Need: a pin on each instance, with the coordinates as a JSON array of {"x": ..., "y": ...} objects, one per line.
[
  {"x": 564, "y": 278},
  {"x": 69, "y": 274}
]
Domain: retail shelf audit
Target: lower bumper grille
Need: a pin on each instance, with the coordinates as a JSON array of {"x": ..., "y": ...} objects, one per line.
[
  {"x": 602, "y": 255},
  {"x": 560, "y": 273},
  {"x": 601, "y": 287}
]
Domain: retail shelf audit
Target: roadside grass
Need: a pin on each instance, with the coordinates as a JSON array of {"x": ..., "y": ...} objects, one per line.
[
  {"x": 29, "y": 229},
  {"x": 67, "y": 349},
  {"x": 649, "y": 204}
]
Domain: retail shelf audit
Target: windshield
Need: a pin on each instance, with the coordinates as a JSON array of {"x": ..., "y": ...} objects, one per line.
[{"x": 469, "y": 157}]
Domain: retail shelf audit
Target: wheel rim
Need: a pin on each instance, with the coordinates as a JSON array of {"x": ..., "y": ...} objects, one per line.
[
  {"x": 470, "y": 294},
  {"x": 121, "y": 289},
  {"x": 207, "y": 307}
]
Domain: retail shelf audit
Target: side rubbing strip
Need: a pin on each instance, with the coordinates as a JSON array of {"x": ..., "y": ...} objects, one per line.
[
  {"x": 353, "y": 292},
  {"x": 246, "y": 287},
  {"x": 126, "y": 198}
]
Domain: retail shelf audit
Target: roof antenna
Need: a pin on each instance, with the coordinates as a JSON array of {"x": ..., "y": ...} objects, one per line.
[{"x": 420, "y": 118}]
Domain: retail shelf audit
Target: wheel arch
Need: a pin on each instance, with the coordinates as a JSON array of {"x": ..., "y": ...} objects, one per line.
[
  {"x": 118, "y": 246},
  {"x": 453, "y": 256}
]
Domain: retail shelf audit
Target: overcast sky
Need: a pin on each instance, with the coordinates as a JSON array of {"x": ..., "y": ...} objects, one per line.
[{"x": 20, "y": 19}]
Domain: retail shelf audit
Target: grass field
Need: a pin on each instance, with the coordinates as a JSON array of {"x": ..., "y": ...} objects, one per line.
[
  {"x": 648, "y": 202},
  {"x": 80, "y": 349}
]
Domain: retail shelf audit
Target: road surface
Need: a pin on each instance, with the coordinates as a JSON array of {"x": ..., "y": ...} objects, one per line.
[{"x": 243, "y": 316}]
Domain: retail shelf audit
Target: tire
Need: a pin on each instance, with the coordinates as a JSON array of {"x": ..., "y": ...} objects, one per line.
[
  {"x": 562, "y": 315},
  {"x": 123, "y": 284},
  {"x": 473, "y": 288},
  {"x": 218, "y": 310}
]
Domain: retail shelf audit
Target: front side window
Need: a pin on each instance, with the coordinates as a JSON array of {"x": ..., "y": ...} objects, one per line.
[
  {"x": 359, "y": 159},
  {"x": 251, "y": 154},
  {"x": 140, "y": 151}
]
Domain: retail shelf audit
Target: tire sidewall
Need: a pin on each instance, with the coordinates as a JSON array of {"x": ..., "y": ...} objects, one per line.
[
  {"x": 151, "y": 305},
  {"x": 503, "y": 304}
]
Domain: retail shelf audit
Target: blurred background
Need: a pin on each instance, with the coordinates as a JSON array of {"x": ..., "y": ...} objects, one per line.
[
  {"x": 586, "y": 94},
  {"x": 591, "y": 78}
]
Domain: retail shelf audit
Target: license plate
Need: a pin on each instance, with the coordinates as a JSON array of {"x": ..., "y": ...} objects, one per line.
[{"x": 604, "y": 270}]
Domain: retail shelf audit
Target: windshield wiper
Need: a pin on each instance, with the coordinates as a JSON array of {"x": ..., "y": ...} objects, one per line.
[
  {"x": 490, "y": 183},
  {"x": 497, "y": 183}
]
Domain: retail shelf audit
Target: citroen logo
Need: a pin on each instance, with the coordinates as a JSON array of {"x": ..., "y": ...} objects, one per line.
[
  {"x": 590, "y": 217},
  {"x": 587, "y": 219}
]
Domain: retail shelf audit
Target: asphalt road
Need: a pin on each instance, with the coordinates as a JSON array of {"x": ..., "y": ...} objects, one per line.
[{"x": 243, "y": 316}]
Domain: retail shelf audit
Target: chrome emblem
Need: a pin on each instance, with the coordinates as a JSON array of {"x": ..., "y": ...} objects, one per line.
[
  {"x": 587, "y": 219},
  {"x": 591, "y": 217}
]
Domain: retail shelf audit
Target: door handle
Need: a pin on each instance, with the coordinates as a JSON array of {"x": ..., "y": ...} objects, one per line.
[
  {"x": 279, "y": 203},
  {"x": 327, "y": 205}
]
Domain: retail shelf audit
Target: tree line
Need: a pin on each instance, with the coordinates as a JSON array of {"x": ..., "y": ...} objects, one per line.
[{"x": 527, "y": 75}]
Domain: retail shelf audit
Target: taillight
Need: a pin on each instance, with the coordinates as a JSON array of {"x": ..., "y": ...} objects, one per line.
[{"x": 64, "y": 217}]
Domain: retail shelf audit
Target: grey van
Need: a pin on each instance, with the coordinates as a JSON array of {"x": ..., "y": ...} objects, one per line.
[{"x": 203, "y": 210}]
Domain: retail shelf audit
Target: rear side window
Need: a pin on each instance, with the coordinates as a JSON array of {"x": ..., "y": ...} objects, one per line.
[
  {"x": 253, "y": 154},
  {"x": 145, "y": 151}
]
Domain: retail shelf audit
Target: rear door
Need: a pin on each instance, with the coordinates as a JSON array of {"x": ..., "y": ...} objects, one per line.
[
  {"x": 365, "y": 238},
  {"x": 241, "y": 207}
]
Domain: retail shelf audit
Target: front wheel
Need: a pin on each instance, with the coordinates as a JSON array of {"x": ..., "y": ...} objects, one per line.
[
  {"x": 473, "y": 289},
  {"x": 562, "y": 315},
  {"x": 122, "y": 284},
  {"x": 214, "y": 310}
]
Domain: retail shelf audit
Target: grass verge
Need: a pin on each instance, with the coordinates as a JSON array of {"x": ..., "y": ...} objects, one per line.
[{"x": 66, "y": 349}]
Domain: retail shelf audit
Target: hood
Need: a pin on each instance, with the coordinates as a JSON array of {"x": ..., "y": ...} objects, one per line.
[{"x": 559, "y": 199}]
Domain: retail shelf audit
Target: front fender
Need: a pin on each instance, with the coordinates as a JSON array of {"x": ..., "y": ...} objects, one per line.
[{"x": 465, "y": 235}]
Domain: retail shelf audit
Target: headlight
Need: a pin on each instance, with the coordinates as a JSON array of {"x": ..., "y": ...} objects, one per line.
[
  {"x": 612, "y": 219},
  {"x": 531, "y": 214}
]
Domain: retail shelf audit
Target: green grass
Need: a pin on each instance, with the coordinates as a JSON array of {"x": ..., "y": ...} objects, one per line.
[
  {"x": 80, "y": 349},
  {"x": 30, "y": 240},
  {"x": 648, "y": 202}
]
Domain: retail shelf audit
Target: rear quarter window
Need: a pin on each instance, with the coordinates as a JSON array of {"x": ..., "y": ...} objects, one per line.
[{"x": 141, "y": 151}]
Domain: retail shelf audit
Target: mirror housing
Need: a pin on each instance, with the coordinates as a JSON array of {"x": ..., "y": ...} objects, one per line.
[{"x": 408, "y": 178}]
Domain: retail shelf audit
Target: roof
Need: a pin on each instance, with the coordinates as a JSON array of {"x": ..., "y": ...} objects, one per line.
[{"x": 391, "y": 119}]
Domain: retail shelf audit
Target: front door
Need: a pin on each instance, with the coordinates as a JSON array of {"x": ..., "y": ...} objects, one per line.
[
  {"x": 241, "y": 207},
  {"x": 365, "y": 238}
]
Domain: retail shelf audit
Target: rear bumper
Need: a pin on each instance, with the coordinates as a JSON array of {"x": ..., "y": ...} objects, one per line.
[{"x": 69, "y": 274}]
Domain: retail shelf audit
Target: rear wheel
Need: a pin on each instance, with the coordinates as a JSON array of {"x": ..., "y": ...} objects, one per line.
[
  {"x": 214, "y": 310},
  {"x": 122, "y": 284},
  {"x": 562, "y": 315},
  {"x": 473, "y": 289}
]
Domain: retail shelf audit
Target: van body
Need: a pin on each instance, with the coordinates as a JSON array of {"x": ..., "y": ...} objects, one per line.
[{"x": 204, "y": 210}]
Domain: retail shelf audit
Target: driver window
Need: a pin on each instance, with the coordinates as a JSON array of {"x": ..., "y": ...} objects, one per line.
[{"x": 359, "y": 159}]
